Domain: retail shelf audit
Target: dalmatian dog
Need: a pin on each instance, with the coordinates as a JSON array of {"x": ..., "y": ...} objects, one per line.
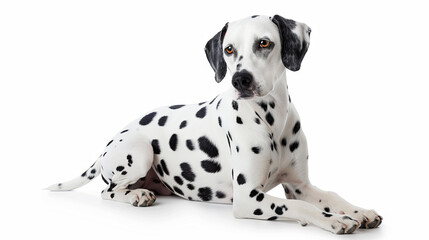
[{"x": 235, "y": 147}]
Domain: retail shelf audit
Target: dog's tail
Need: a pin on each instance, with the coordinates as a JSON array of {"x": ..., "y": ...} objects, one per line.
[{"x": 83, "y": 179}]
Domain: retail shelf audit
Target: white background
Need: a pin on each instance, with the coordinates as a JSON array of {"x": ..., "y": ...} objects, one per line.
[{"x": 73, "y": 73}]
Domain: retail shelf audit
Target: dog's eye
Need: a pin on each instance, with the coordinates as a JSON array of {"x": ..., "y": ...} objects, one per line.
[
  {"x": 229, "y": 50},
  {"x": 264, "y": 43}
]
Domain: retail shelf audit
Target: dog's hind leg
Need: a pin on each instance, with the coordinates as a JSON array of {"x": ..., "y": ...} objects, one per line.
[{"x": 125, "y": 166}]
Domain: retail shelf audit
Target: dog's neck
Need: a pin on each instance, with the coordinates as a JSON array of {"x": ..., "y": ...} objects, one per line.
[
  {"x": 278, "y": 98},
  {"x": 280, "y": 91}
]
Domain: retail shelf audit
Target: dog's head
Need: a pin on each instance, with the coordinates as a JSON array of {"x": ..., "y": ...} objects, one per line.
[{"x": 256, "y": 51}]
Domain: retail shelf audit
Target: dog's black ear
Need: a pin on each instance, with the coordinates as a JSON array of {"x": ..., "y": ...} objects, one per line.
[
  {"x": 214, "y": 53},
  {"x": 295, "y": 39}
]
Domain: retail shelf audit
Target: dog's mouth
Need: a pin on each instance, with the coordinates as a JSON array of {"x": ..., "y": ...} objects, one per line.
[
  {"x": 248, "y": 93},
  {"x": 245, "y": 95}
]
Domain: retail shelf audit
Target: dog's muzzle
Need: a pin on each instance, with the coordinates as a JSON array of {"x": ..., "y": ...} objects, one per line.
[{"x": 244, "y": 83}]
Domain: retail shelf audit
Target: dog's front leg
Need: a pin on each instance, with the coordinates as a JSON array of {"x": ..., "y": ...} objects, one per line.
[
  {"x": 249, "y": 175},
  {"x": 297, "y": 186},
  {"x": 331, "y": 202}
]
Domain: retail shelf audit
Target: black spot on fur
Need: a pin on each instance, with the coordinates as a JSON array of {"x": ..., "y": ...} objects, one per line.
[
  {"x": 205, "y": 193},
  {"x": 187, "y": 172},
  {"x": 263, "y": 105},
  {"x": 218, "y": 104},
  {"x": 256, "y": 150},
  {"x": 279, "y": 210},
  {"x": 208, "y": 147},
  {"x": 260, "y": 197},
  {"x": 229, "y": 143},
  {"x": 327, "y": 209},
  {"x": 164, "y": 167},
  {"x": 159, "y": 170},
  {"x": 104, "y": 179},
  {"x": 126, "y": 193},
  {"x": 176, "y": 106},
  {"x": 298, "y": 191},
  {"x": 111, "y": 186},
  {"x": 235, "y": 105},
  {"x": 178, "y": 180},
  {"x": 190, "y": 186},
  {"x": 130, "y": 160},
  {"x": 124, "y": 131},
  {"x": 284, "y": 142},
  {"x": 220, "y": 194},
  {"x": 147, "y": 119},
  {"x": 327, "y": 214},
  {"x": 120, "y": 168},
  {"x": 254, "y": 16},
  {"x": 293, "y": 146},
  {"x": 155, "y": 146},
  {"x": 258, "y": 212},
  {"x": 162, "y": 121},
  {"x": 212, "y": 100},
  {"x": 269, "y": 118},
  {"x": 210, "y": 166},
  {"x": 124, "y": 173},
  {"x": 253, "y": 193},
  {"x": 241, "y": 179},
  {"x": 112, "y": 195},
  {"x": 296, "y": 127},
  {"x": 272, "y": 105},
  {"x": 109, "y": 143},
  {"x": 239, "y": 121},
  {"x": 173, "y": 142},
  {"x": 272, "y": 218},
  {"x": 229, "y": 135},
  {"x": 190, "y": 145},
  {"x": 201, "y": 113},
  {"x": 183, "y": 124},
  {"x": 257, "y": 121},
  {"x": 286, "y": 189},
  {"x": 219, "y": 120},
  {"x": 178, "y": 190}
]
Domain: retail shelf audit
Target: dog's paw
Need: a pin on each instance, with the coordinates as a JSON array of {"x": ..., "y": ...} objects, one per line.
[
  {"x": 368, "y": 218},
  {"x": 141, "y": 197},
  {"x": 341, "y": 224}
]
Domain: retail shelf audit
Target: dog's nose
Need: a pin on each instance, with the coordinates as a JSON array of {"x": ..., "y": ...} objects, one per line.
[{"x": 242, "y": 80}]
